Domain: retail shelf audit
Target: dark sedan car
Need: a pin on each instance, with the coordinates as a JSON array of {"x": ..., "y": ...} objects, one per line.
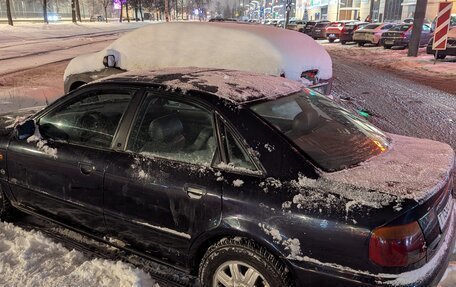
[
  {"x": 240, "y": 179},
  {"x": 319, "y": 30},
  {"x": 309, "y": 27},
  {"x": 399, "y": 36}
]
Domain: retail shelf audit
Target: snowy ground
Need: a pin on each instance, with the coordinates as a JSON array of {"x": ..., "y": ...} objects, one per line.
[
  {"x": 28, "y": 258},
  {"x": 440, "y": 75},
  {"x": 32, "y": 61}
]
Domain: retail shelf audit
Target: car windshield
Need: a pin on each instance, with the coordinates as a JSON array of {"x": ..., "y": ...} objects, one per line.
[
  {"x": 371, "y": 26},
  {"x": 321, "y": 25},
  {"x": 401, "y": 28},
  {"x": 331, "y": 136}
]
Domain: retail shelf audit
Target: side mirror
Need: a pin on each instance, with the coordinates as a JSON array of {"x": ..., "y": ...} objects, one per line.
[
  {"x": 109, "y": 61},
  {"x": 26, "y": 129}
]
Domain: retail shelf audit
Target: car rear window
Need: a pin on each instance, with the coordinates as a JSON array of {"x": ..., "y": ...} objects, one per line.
[
  {"x": 321, "y": 25},
  {"x": 401, "y": 28},
  {"x": 349, "y": 26},
  {"x": 336, "y": 24},
  {"x": 371, "y": 26},
  {"x": 331, "y": 136}
]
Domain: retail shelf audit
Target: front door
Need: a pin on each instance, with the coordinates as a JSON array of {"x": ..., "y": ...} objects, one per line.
[
  {"x": 59, "y": 171},
  {"x": 161, "y": 193}
]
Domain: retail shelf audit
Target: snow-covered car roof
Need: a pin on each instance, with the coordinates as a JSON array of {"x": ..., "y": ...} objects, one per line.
[
  {"x": 253, "y": 48},
  {"x": 235, "y": 86}
]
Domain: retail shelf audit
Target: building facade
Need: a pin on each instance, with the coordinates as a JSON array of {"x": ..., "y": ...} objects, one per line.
[{"x": 375, "y": 10}]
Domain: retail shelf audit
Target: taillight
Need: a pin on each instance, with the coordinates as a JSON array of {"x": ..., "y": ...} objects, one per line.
[
  {"x": 403, "y": 35},
  {"x": 310, "y": 75},
  {"x": 395, "y": 246}
]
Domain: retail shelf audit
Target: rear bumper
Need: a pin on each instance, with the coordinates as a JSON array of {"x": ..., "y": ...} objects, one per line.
[
  {"x": 315, "y": 273},
  {"x": 395, "y": 42}
]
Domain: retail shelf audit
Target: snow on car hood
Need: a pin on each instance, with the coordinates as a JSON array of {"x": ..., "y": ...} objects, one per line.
[
  {"x": 412, "y": 169},
  {"x": 253, "y": 48}
]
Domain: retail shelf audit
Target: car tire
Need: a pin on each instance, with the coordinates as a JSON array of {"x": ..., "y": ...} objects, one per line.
[
  {"x": 343, "y": 42},
  {"x": 244, "y": 256},
  {"x": 386, "y": 47},
  {"x": 331, "y": 40},
  {"x": 441, "y": 56},
  {"x": 360, "y": 44},
  {"x": 315, "y": 38},
  {"x": 6, "y": 209}
]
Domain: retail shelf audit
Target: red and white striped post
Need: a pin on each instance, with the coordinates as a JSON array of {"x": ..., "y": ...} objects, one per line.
[{"x": 441, "y": 27}]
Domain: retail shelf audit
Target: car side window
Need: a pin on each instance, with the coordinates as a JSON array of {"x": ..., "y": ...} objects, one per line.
[
  {"x": 426, "y": 28},
  {"x": 89, "y": 119},
  {"x": 236, "y": 153},
  {"x": 173, "y": 130}
]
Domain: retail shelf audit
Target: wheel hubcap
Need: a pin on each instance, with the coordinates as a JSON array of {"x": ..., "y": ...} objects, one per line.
[{"x": 238, "y": 274}]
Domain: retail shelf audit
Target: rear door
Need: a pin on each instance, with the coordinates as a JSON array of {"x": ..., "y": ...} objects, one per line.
[
  {"x": 426, "y": 35},
  {"x": 59, "y": 171},
  {"x": 161, "y": 191}
]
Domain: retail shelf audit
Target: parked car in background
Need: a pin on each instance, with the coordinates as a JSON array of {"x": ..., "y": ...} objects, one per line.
[
  {"x": 54, "y": 17},
  {"x": 399, "y": 36},
  {"x": 309, "y": 27},
  {"x": 280, "y": 23},
  {"x": 201, "y": 45},
  {"x": 297, "y": 25},
  {"x": 273, "y": 22},
  {"x": 450, "y": 48},
  {"x": 346, "y": 35},
  {"x": 334, "y": 30},
  {"x": 319, "y": 30},
  {"x": 371, "y": 33},
  {"x": 97, "y": 18},
  {"x": 237, "y": 178}
]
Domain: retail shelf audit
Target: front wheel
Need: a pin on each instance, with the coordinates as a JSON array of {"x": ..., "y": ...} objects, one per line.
[
  {"x": 331, "y": 40},
  {"x": 360, "y": 44},
  {"x": 234, "y": 262}
]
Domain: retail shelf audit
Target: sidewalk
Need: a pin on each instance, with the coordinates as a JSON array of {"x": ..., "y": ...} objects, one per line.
[{"x": 441, "y": 75}]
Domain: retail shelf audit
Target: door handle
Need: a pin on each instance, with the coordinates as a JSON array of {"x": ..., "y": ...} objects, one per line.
[
  {"x": 195, "y": 192},
  {"x": 86, "y": 168}
]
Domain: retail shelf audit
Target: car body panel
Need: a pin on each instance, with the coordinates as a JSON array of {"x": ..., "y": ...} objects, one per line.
[{"x": 155, "y": 216}]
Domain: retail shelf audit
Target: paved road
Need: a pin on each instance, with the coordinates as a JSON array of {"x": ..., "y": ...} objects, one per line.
[{"x": 397, "y": 105}]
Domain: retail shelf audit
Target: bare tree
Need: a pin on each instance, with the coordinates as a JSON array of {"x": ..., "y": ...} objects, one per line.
[
  {"x": 105, "y": 8},
  {"x": 126, "y": 11},
  {"x": 8, "y": 13},
  {"x": 45, "y": 14},
  {"x": 121, "y": 11},
  {"x": 78, "y": 11},
  {"x": 73, "y": 11}
]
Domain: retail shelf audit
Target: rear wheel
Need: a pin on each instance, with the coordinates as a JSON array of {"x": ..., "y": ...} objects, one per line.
[
  {"x": 315, "y": 38},
  {"x": 441, "y": 57},
  {"x": 343, "y": 42},
  {"x": 241, "y": 262},
  {"x": 386, "y": 47},
  {"x": 331, "y": 40},
  {"x": 361, "y": 44}
]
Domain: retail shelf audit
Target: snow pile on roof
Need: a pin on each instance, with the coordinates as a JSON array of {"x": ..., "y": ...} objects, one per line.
[
  {"x": 251, "y": 48},
  {"x": 412, "y": 169},
  {"x": 30, "y": 259},
  {"x": 236, "y": 86}
]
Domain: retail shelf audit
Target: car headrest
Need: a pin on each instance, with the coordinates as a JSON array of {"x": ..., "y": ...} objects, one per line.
[
  {"x": 305, "y": 122},
  {"x": 166, "y": 129}
]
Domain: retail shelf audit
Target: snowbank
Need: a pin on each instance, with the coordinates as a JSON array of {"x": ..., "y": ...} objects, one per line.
[
  {"x": 244, "y": 47},
  {"x": 235, "y": 86},
  {"x": 31, "y": 259}
]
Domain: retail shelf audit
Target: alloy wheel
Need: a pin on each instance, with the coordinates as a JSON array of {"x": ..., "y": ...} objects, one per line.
[{"x": 238, "y": 274}]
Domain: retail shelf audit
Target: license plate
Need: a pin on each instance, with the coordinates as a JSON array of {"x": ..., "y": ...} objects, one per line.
[
  {"x": 317, "y": 30},
  {"x": 390, "y": 42},
  {"x": 445, "y": 213},
  {"x": 332, "y": 36}
]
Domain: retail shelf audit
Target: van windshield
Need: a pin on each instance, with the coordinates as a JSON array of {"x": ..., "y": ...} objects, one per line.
[{"x": 331, "y": 136}]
